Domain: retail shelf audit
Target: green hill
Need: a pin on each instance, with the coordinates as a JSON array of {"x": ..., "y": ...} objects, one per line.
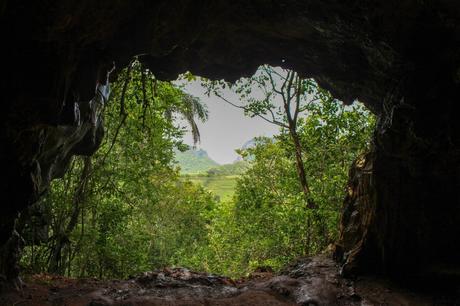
[
  {"x": 198, "y": 167},
  {"x": 194, "y": 161},
  {"x": 236, "y": 168}
]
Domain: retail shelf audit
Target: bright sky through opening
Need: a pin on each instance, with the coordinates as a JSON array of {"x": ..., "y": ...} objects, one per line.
[{"x": 227, "y": 128}]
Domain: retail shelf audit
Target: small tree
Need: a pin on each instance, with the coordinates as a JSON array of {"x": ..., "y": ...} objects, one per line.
[{"x": 278, "y": 96}]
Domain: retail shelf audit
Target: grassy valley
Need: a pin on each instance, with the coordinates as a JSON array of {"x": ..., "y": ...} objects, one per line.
[
  {"x": 198, "y": 167},
  {"x": 222, "y": 186}
]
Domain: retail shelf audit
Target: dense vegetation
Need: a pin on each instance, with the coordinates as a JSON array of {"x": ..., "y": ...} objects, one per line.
[{"x": 127, "y": 209}]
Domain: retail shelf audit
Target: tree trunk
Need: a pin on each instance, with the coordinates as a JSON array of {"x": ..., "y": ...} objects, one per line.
[
  {"x": 62, "y": 239},
  {"x": 301, "y": 169}
]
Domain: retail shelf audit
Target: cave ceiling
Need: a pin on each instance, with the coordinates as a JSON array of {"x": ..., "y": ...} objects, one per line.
[{"x": 356, "y": 49}]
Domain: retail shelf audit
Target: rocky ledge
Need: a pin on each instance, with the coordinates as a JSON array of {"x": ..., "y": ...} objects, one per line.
[{"x": 308, "y": 281}]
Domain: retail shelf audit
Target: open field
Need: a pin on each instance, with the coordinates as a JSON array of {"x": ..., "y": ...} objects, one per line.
[{"x": 221, "y": 185}]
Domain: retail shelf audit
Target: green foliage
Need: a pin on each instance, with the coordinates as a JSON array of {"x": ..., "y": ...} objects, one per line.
[
  {"x": 276, "y": 95},
  {"x": 267, "y": 223},
  {"x": 287, "y": 204},
  {"x": 127, "y": 209}
]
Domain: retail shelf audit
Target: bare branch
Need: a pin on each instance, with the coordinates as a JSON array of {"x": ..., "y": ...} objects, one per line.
[
  {"x": 274, "y": 121},
  {"x": 272, "y": 82},
  {"x": 114, "y": 139},
  {"x": 229, "y": 102},
  {"x": 302, "y": 109},
  {"x": 280, "y": 75}
]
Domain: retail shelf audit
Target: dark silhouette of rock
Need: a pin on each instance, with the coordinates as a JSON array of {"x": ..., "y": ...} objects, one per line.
[{"x": 401, "y": 58}]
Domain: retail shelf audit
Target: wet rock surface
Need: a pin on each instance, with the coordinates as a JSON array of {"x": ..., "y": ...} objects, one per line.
[
  {"x": 179, "y": 283},
  {"x": 309, "y": 281}
]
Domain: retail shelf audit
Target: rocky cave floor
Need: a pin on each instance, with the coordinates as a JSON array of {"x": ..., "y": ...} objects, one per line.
[{"x": 309, "y": 281}]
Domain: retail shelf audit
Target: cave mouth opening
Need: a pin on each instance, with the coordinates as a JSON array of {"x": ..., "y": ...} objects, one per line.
[
  {"x": 402, "y": 209},
  {"x": 146, "y": 200},
  {"x": 224, "y": 53}
]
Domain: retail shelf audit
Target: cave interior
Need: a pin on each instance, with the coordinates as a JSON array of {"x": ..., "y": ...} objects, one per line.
[{"x": 400, "y": 58}]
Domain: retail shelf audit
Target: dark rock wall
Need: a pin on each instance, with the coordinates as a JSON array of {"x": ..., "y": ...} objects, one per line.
[
  {"x": 408, "y": 216},
  {"x": 401, "y": 58}
]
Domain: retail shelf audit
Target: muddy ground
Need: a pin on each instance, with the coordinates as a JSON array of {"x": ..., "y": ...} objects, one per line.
[{"x": 311, "y": 281}]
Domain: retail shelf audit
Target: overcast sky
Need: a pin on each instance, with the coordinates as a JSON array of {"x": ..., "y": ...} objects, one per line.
[{"x": 227, "y": 128}]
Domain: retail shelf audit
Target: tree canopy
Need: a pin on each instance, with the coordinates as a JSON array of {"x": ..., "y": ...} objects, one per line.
[{"x": 127, "y": 209}]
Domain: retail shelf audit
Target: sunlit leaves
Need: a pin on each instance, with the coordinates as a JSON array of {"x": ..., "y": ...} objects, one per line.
[
  {"x": 268, "y": 224},
  {"x": 137, "y": 214}
]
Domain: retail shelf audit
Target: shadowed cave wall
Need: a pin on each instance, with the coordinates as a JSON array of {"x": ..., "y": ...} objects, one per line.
[{"x": 400, "y": 58}]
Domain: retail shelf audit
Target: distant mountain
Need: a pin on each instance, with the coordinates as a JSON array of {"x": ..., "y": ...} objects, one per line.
[{"x": 194, "y": 161}]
